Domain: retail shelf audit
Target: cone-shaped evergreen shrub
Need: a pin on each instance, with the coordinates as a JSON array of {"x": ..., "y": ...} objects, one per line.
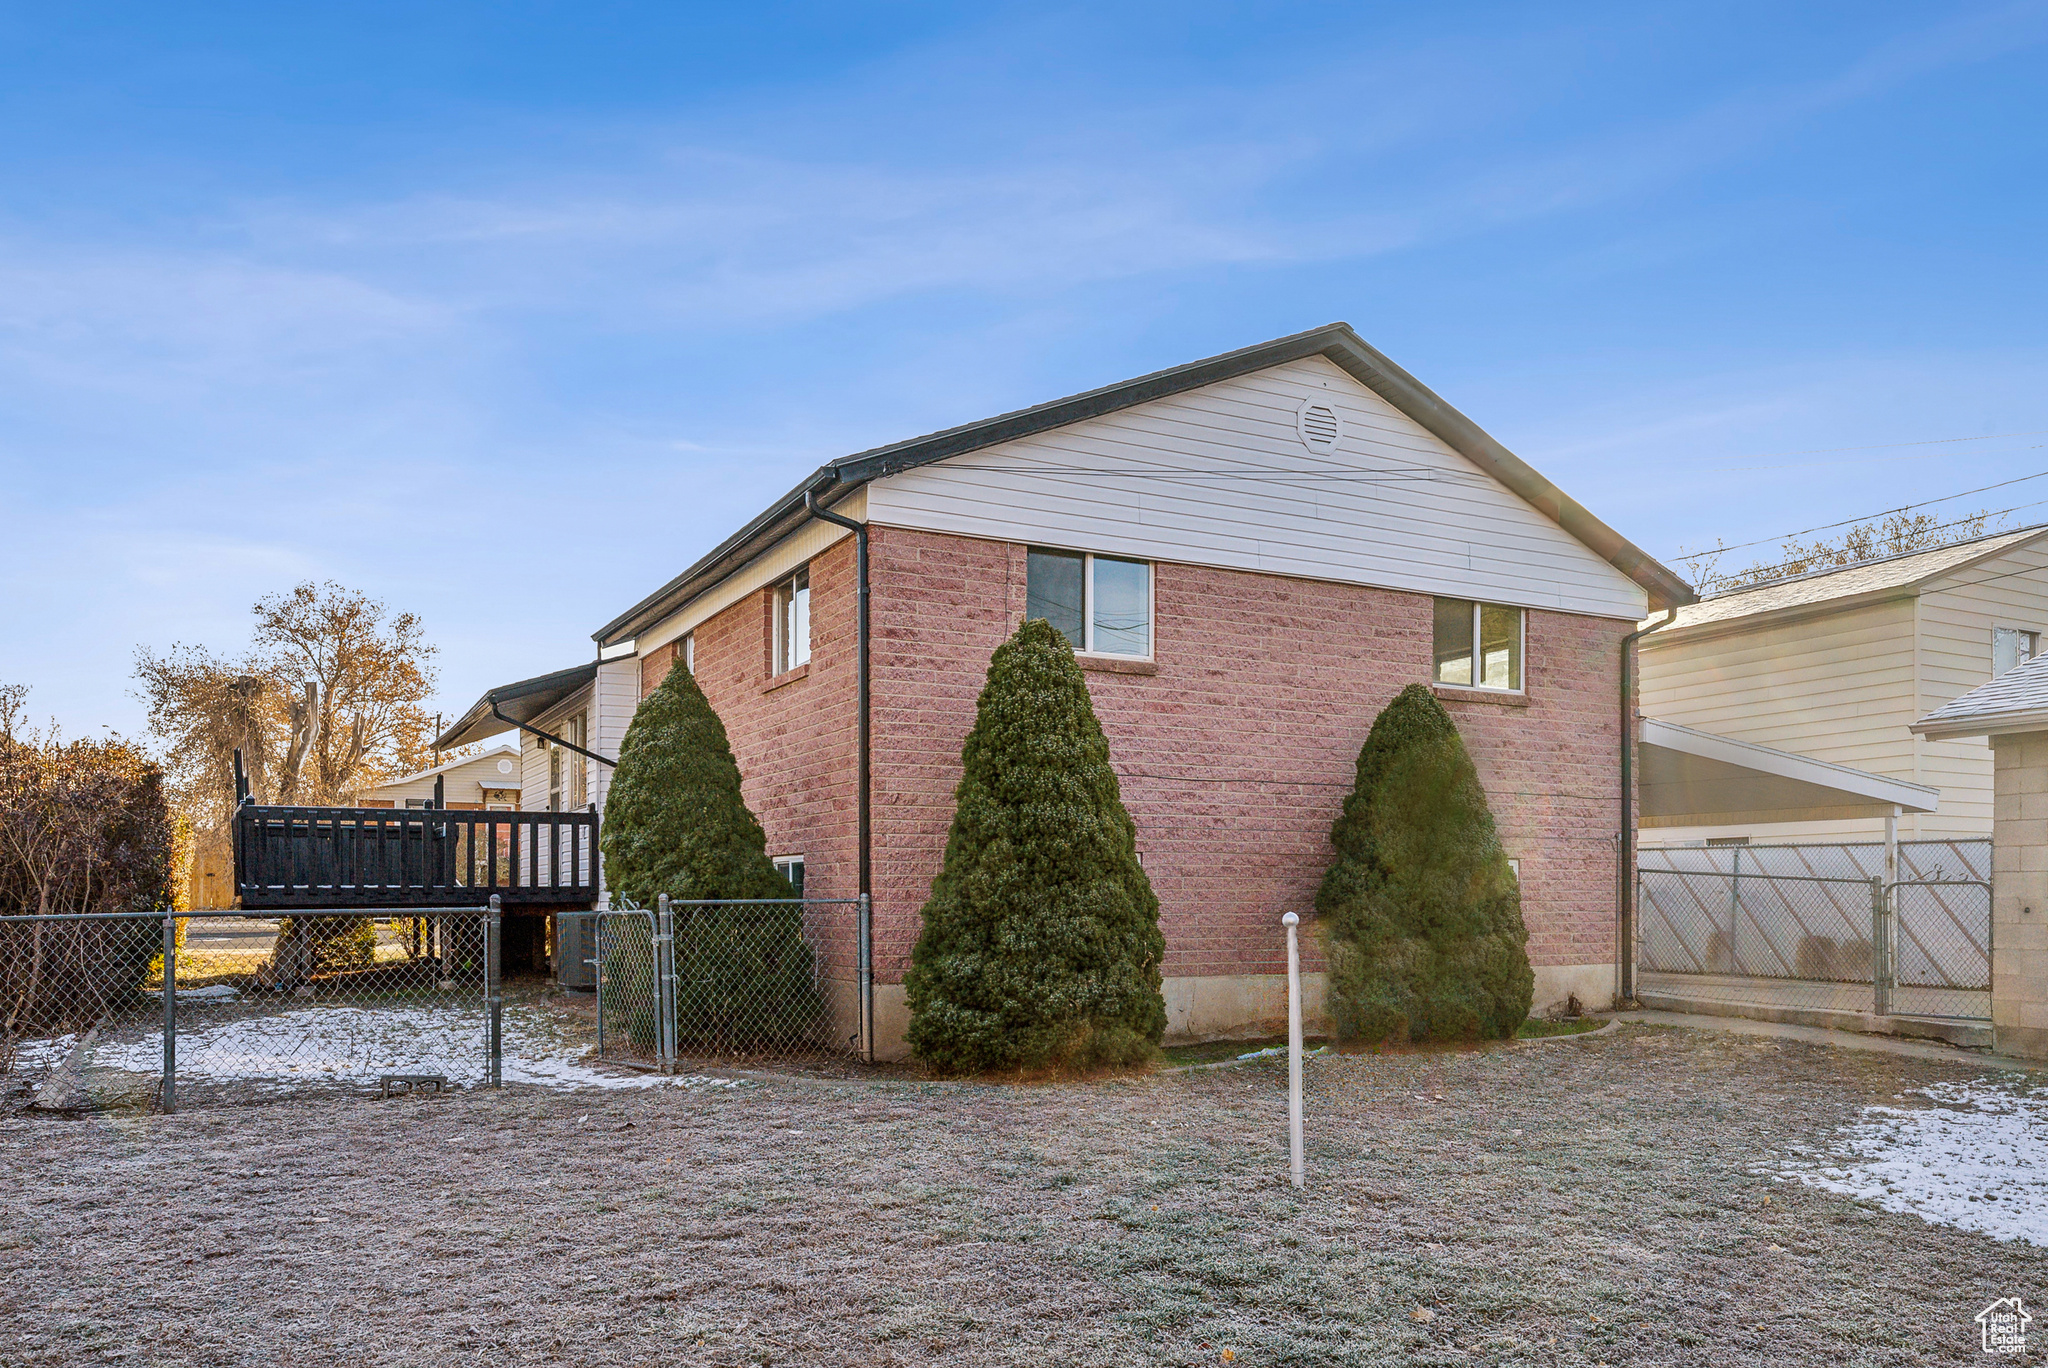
[
  {"x": 1041, "y": 942},
  {"x": 1423, "y": 917},
  {"x": 675, "y": 823}
]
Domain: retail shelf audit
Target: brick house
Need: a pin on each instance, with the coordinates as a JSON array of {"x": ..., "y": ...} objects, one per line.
[{"x": 1253, "y": 554}]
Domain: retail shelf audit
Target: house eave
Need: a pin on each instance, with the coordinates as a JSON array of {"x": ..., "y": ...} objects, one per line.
[{"x": 1335, "y": 341}]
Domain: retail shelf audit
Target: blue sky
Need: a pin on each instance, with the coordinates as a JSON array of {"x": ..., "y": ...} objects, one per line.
[{"x": 507, "y": 312}]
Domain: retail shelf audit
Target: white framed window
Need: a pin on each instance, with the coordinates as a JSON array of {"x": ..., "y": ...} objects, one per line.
[
  {"x": 793, "y": 621},
  {"x": 689, "y": 652},
  {"x": 568, "y": 772},
  {"x": 1102, "y": 605},
  {"x": 2012, "y": 646},
  {"x": 1480, "y": 645},
  {"x": 791, "y": 867}
]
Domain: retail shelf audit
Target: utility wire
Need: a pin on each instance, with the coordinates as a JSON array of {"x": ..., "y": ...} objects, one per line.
[
  {"x": 1887, "y": 446},
  {"x": 1904, "y": 508},
  {"x": 1938, "y": 527}
]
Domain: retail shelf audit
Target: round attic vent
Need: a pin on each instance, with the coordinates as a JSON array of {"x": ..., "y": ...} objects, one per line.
[
  {"x": 504, "y": 767},
  {"x": 1319, "y": 425}
]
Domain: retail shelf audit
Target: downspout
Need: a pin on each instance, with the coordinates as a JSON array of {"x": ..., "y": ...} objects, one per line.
[
  {"x": 865, "y": 818},
  {"x": 1625, "y": 871},
  {"x": 492, "y": 699}
]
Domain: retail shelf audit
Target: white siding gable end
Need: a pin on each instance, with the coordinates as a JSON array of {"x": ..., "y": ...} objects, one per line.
[{"x": 1233, "y": 475}]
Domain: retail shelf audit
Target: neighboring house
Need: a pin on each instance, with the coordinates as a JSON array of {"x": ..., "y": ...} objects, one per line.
[
  {"x": 1835, "y": 666},
  {"x": 1253, "y": 554},
  {"x": 486, "y": 781}
]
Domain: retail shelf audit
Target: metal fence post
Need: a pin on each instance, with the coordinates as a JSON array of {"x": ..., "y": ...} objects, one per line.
[
  {"x": 596, "y": 963},
  {"x": 866, "y": 987},
  {"x": 1880, "y": 947},
  {"x": 494, "y": 992},
  {"x": 665, "y": 984},
  {"x": 169, "y": 1097}
]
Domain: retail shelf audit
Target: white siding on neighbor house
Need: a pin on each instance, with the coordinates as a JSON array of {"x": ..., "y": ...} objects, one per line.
[
  {"x": 534, "y": 752},
  {"x": 460, "y": 783},
  {"x": 617, "y": 694},
  {"x": 799, "y": 548},
  {"x": 1957, "y": 615},
  {"x": 1836, "y": 686},
  {"x": 1457, "y": 532}
]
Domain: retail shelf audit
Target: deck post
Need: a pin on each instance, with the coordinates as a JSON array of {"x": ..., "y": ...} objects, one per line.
[
  {"x": 169, "y": 1095},
  {"x": 494, "y": 992}
]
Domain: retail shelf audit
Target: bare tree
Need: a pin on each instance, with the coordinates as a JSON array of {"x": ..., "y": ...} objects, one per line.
[
  {"x": 1892, "y": 536},
  {"x": 329, "y": 698}
]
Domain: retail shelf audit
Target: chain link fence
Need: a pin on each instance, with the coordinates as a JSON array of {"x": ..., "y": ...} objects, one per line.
[
  {"x": 148, "y": 1010},
  {"x": 723, "y": 983},
  {"x": 1816, "y": 927}
]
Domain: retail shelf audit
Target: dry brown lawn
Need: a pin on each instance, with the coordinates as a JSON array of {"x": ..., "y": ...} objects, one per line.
[{"x": 1579, "y": 1202}]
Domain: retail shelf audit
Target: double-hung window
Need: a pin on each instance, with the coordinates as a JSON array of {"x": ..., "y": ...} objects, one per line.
[
  {"x": 1101, "y": 604},
  {"x": 1479, "y": 645},
  {"x": 793, "y": 621}
]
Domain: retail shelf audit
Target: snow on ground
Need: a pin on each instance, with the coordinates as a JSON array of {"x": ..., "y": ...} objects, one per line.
[
  {"x": 1977, "y": 1159},
  {"x": 354, "y": 1047}
]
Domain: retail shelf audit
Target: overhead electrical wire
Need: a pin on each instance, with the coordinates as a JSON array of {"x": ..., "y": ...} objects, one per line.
[{"x": 1903, "y": 508}]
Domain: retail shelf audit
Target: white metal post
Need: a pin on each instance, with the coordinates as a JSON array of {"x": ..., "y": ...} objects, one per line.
[{"x": 1296, "y": 1169}]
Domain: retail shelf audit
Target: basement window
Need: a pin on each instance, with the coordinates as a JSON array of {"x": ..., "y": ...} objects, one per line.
[
  {"x": 1479, "y": 645},
  {"x": 1102, "y": 605},
  {"x": 793, "y": 621}
]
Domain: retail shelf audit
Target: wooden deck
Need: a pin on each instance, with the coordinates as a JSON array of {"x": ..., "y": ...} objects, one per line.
[{"x": 289, "y": 858}]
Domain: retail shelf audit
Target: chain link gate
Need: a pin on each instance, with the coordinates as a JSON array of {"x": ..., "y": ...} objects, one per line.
[
  {"x": 1737, "y": 927},
  {"x": 148, "y": 1009},
  {"x": 721, "y": 982}
]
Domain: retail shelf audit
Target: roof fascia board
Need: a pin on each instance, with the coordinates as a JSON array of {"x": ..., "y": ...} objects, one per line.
[
  {"x": 480, "y": 711},
  {"x": 1776, "y": 617},
  {"x": 1990, "y": 724},
  {"x": 1934, "y": 580},
  {"x": 743, "y": 546}
]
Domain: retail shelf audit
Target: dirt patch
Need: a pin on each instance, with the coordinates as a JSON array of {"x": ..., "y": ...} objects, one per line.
[{"x": 1599, "y": 1202}]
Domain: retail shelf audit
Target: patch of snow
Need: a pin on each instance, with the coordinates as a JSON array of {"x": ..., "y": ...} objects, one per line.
[
  {"x": 355, "y": 1046},
  {"x": 1977, "y": 1160}
]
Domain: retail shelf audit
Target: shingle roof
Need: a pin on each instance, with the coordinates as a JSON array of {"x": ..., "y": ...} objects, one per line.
[
  {"x": 1890, "y": 572},
  {"x": 2019, "y": 694}
]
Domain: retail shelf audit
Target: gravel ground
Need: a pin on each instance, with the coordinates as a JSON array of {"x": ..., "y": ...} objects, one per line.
[{"x": 1597, "y": 1200}]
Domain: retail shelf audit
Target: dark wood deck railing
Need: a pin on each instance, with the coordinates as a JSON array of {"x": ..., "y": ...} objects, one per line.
[{"x": 314, "y": 857}]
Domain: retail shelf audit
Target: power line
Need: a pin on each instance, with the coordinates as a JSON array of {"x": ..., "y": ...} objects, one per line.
[
  {"x": 1846, "y": 522},
  {"x": 1918, "y": 550},
  {"x": 1887, "y": 446}
]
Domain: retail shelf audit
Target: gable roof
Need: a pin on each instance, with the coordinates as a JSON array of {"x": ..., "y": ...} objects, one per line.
[
  {"x": 836, "y": 479},
  {"x": 1875, "y": 576},
  {"x": 494, "y": 753},
  {"x": 2015, "y": 701}
]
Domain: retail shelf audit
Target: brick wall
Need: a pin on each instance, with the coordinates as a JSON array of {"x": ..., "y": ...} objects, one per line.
[
  {"x": 1234, "y": 755},
  {"x": 795, "y": 737}
]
